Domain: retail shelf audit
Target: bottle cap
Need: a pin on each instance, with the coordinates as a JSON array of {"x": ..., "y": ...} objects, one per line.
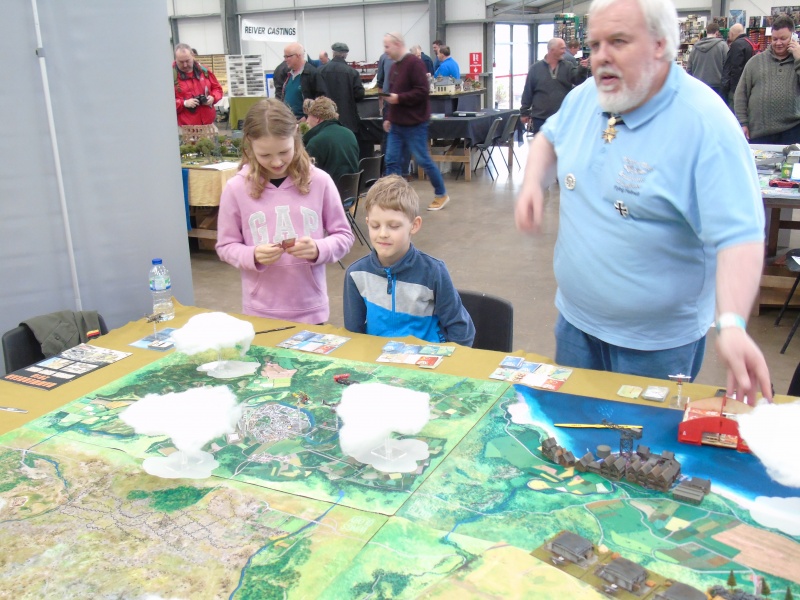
[{"x": 156, "y": 261}]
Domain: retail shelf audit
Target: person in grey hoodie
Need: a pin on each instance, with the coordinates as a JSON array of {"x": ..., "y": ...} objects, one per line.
[{"x": 707, "y": 57}]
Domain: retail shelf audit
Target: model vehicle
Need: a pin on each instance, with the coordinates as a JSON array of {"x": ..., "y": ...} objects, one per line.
[{"x": 784, "y": 183}]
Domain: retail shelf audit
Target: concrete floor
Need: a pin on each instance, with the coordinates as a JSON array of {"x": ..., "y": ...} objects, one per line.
[{"x": 475, "y": 235}]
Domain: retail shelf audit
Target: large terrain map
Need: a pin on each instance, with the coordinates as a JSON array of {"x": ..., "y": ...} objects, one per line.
[{"x": 287, "y": 515}]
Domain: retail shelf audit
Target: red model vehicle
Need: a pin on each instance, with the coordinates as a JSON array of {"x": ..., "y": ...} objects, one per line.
[{"x": 784, "y": 183}]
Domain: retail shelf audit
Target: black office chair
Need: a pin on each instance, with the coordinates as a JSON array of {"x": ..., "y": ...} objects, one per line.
[
  {"x": 348, "y": 186},
  {"x": 370, "y": 168},
  {"x": 487, "y": 146},
  {"x": 493, "y": 318},
  {"x": 506, "y": 140},
  {"x": 21, "y": 348}
]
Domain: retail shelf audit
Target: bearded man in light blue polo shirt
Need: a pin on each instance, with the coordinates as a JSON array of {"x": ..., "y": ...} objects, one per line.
[{"x": 660, "y": 209}]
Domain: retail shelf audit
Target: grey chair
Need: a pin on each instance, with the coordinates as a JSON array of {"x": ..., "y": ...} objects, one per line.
[
  {"x": 370, "y": 168},
  {"x": 348, "y": 186},
  {"x": 506, "y": 140},
  {"x": 493, "y": 318},
  {"x": 487, "y": 146},
  {"x": 21, "y": 348},
  {"x": 794, "y": 267}
]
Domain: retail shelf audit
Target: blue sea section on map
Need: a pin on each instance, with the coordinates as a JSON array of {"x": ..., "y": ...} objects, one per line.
[{"x": 739, "y": 472}]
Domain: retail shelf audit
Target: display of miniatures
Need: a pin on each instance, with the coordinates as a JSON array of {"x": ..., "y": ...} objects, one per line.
[{"x": 208, "y": 150}]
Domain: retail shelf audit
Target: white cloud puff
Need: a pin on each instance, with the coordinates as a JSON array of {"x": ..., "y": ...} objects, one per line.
[
  {"x": 771, "y": 432},
  {"x": 370, "y": 412},
  {"x": 213, "y": 331},
  {"x": 191, "y": 418},
  {"x": 777, "y": 513}
]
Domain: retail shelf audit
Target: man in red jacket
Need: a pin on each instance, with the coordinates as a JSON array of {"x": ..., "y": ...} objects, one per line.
[{"x": 196, "y": 89}]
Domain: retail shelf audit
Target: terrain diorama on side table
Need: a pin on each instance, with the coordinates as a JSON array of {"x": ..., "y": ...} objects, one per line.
[{"x": 208, "y": 161}]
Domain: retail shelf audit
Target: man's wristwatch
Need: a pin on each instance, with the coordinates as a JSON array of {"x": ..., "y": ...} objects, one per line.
[{"x": 730, "y": 319}]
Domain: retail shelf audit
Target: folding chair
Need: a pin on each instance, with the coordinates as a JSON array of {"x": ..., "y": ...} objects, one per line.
[
  {"x": 493, "y": 318},
  {"x": 506, "y": 140},
  {"x": 487, "y": 146},
  {"x": 794, "y": 267},
  {"x": 348, "y": 186},
  {"x": 371, "y": 169},
  {"x": 794, "y": 385},
  {"x": 21, "y": 348}
]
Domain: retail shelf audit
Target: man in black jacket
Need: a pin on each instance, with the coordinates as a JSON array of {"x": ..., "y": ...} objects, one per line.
[
  {"x": 344, "y": 86},
  {"x": 303, "y": 80},
  {"x": 279, "y": 79},
  {"x": 740, "y": 51}
]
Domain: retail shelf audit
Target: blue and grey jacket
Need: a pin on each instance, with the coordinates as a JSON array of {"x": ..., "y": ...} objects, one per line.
[{"x": 415, "y": 297}]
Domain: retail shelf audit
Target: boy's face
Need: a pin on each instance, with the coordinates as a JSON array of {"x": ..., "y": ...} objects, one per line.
[{"x": 390, "y": 232}]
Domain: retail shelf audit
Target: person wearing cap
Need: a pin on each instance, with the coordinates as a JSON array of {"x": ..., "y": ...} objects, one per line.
[{"x": 344, "y": 86}]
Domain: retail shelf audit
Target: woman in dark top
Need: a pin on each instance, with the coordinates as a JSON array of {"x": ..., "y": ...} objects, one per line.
[{"x": 333, "y": 146}]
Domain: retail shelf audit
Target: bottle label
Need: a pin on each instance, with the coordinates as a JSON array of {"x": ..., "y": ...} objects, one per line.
[{"x": 160, "y": 284}]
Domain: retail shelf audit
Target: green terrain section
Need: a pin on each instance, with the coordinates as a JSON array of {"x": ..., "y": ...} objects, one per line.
[
  {"x": 498, "y": 479},
  {"x": 287, "y": 515},
  {"x": 170, "y": 538},
  {"x": 290, "y": 441},
  {"x": 177, "y": 498},
  {"x": 172, "y": 499}
]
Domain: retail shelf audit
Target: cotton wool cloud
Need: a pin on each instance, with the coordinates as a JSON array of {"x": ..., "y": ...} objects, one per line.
[
  {"x": 771, "y": 432},
  {"x": 191, "y": 418},
  {"x": 371, "y": 412},
  {"x": 213, "y": 331}
]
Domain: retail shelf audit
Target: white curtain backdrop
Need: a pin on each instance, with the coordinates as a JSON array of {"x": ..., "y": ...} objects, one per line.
[{"x": 110, "y": 80}]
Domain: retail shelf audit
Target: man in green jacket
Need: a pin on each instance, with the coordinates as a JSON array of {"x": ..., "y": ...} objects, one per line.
[{"x": 333, "y": 146}]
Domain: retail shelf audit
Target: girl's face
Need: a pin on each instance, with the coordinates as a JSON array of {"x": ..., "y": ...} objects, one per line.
[{"x": 275, "y": 154}]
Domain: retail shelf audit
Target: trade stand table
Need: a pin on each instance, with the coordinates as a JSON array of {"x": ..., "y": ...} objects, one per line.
[
  {"x": 239, "y": 107},
  {"x": 286, "y": 514},
  {"x": 202, "y": 189},
  {"x": 457, "y": 101},
  {"x": 776, "y": 281}
]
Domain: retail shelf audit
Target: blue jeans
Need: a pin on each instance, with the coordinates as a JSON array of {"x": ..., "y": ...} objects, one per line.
[
  {"x": 574, "y": 348},
  {"x": 405, "y": 139}
]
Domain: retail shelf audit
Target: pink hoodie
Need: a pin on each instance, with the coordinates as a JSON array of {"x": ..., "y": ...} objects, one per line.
[{"x": 292, "y": 289}]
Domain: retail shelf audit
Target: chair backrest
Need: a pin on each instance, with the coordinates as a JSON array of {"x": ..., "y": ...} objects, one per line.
[
  {"x": 493, "y": 318},
  {"x": 509, "y": 130},
  {"x": 794, "y": 386},
  {"x": 371, "y": 169},
  {"x": 21, "y": 348},
  {"x": 493, "y": 134},
  {"x": 348, "y": 188}
]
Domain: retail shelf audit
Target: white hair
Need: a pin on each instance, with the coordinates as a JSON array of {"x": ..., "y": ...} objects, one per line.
[{"x": 660, "y": 17}]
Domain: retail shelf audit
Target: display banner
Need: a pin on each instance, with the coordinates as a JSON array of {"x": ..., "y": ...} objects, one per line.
[{"x": 266, "y": 29}]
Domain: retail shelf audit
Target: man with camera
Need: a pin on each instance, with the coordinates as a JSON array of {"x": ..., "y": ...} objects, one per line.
[{"x": 196, "y": 89}]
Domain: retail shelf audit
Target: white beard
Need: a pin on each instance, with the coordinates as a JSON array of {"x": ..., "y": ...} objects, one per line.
[{"x": 625, "y": 98}]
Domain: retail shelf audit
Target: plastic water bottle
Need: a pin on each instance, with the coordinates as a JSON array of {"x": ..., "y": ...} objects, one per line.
[{"x": 161, "y": 289}]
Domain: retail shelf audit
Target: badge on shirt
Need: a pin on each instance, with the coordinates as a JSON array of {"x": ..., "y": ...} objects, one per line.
[
  {"x": 569, "y": 181},
  {"x": 610, "y": 132}
]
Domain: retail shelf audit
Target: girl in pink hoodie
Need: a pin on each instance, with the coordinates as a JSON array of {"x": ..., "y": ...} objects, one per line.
[{"x": 281, "y": 220}]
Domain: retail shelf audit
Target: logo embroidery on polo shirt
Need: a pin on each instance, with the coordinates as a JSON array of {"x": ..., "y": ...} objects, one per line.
[{"x": 632, "y": 176}]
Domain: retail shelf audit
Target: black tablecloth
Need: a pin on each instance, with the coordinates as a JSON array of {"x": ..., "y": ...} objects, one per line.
[{"x": 472, "y": 129}]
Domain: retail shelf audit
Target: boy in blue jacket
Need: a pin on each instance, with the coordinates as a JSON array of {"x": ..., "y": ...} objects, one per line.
[{"x": 397, "y": 290}]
